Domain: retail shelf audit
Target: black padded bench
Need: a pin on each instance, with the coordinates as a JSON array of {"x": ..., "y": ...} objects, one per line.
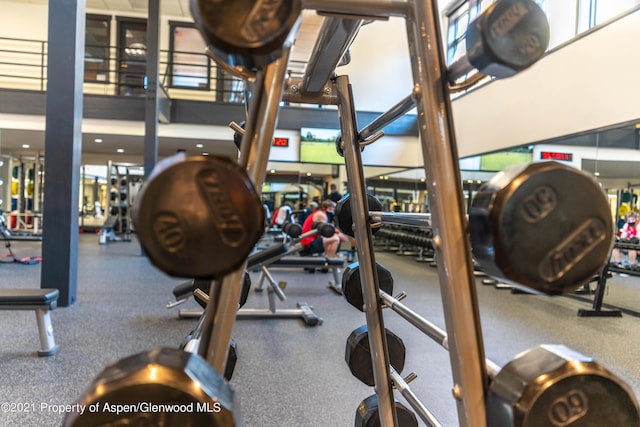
[
  {"x": 41, "y": 301},
  {"x": 308, "y": 262}
]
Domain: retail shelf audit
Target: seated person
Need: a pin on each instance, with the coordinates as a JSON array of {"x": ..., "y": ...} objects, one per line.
[
  {"x": 306, "y": 211},
  {"x": 319, "y": 244},
  {"x": 281, "y": 215},
  {"x": 630, "y": 229}
]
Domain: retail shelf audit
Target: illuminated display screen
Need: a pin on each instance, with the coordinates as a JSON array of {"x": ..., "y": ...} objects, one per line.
[
  {"x": 553, "y": 155},
  {"x": 319, "y": 146},
  {"x": 280, "y": 142}
]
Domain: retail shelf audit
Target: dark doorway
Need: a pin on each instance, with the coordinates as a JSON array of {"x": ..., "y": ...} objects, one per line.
[{"x": 132, "y": 56}]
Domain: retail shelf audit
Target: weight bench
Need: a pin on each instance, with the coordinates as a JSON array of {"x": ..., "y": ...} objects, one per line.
[
  {"x": 332, "y": 264},
  {"x": 41, "y": 301},
  {"x": 273, "y": 256},
  {"x": 108, "y": 232}
]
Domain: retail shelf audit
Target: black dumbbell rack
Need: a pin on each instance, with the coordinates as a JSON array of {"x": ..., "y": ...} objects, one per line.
[{"x": 626, "y": 244}]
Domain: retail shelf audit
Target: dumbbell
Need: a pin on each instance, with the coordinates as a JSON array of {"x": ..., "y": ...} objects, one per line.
[
  {"x": 237, "y": 135},
  {"x": 135, "y": 390},
  {"x": 232, "y": 359},
  {"x": 198, "y": 216},
  {"x": 358, "y": 354},
  {"x": 324, "y": 229},
  {"x": 344, "y": 215},
  {"x": 292, "y": 229},
  {"x": 352, "y": 287},
  {"x": 245, "y": 33},
  {"x": 552, "y": 385},
  {"x": 367, "y": 414},
  {"x": 508, "y": 37},
  {"x": 544, "y": 225},
  {"x": 192, "y": 341}
]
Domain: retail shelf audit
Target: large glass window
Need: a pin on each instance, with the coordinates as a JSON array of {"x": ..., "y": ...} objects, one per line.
[
  {"x": 96, "y": 48},
  {"x": 595, "y": 12},
  {"x": 189, "y": 64},
  {"x": 458, "y": 22}
]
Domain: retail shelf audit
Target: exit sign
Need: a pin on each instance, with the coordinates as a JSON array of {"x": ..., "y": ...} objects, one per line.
[
  {"x": 554, "y": 155},
  {"x": 280, "y": 142}
]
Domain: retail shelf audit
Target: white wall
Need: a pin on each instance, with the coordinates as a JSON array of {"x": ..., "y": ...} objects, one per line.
[
  {"x": 585, "y": 85},
  {"x": 23, "y": 20},
  {"x": 379, "y": 72}
]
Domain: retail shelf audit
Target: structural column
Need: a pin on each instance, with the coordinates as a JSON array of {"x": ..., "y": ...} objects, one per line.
[
  {"x": 63, "y": 147},
  {"x": 152, "y": 105}
]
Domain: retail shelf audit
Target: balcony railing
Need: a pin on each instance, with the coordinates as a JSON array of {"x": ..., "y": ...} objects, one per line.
[{"x": 118, "y": 71}]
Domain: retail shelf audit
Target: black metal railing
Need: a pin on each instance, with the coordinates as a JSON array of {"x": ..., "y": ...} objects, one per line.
[{"x": 119, "y": 71}]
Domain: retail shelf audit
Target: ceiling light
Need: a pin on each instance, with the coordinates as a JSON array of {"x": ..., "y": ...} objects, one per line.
[
  {"x": 308, "y": 173},
  {"x": 98, "y": 140},
  {"x": 205, "y": 154},
  {"x": 596, "y": 173},
  {"x": 272, "y": 171},
  {"x": 120, "y": 150},
  {"x": 199, "y": 145},
  {"x": 25, "y": 146}
]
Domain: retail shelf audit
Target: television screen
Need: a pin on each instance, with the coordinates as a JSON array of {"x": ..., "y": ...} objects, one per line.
[
  {"x": 319, "y": 146},
  {"x": 501, "y": 160}
]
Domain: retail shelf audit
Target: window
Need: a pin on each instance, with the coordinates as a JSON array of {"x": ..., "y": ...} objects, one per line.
[
  {"x": 458, "y": 22},
  {"x": 595, "y": 12},
  {"x": 189, "y": 64},
  {"x": 96, "y": 48}
]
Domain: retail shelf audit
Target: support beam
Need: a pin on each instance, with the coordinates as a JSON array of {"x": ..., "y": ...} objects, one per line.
[
  {"x": 63, "y": 148},
  {"x": 152, "y": 102}
]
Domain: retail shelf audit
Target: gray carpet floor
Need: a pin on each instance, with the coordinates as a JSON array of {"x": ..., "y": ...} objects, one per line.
[{"x": 288, "y": 374}]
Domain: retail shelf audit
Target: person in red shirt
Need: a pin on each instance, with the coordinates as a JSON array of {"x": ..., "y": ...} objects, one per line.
[
  {"x": 319, "y": 244},
  {"x": 629, "y": 230}
]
